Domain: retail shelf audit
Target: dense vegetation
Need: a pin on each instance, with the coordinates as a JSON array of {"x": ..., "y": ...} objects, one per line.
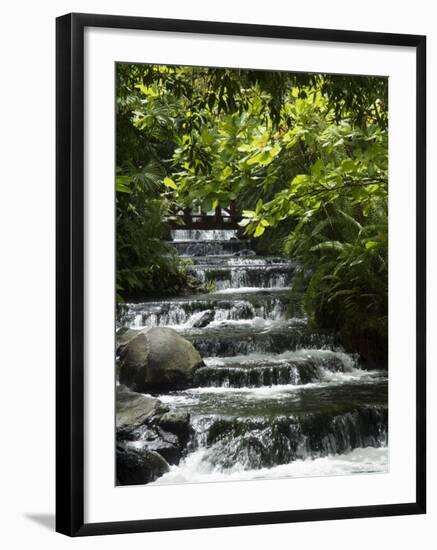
[
  {"x": 145, "y": 263},
  {"x": 303, "y": 156}
]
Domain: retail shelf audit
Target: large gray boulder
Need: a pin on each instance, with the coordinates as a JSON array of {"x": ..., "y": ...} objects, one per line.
[
  {"x": 139, "y": 466},
  {"x": 122, "y": 337},
  {"x": 158, "y": 359},
  {"x": 132, "y": 409}
]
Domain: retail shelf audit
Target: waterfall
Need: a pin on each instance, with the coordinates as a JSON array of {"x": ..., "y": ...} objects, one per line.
[
  {"x": 176, "y": 313},
  {"x": 275, "y": 397},
  {"x": 258, "y": 370},
  {"x": 256, "y": 443},
  {"x": 203, "y": 235}
]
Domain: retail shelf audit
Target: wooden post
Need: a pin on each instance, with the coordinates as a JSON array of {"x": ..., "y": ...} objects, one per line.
[{"x": 187, "y": 217}]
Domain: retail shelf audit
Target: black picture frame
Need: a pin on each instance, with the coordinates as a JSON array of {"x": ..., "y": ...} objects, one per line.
[{"x": 70, "y": 273}]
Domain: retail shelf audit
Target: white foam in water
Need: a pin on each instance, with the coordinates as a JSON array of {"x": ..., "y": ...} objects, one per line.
[
  {"x": 256, "y": 322},
  {"x": 178, "y": 318},
  {"x": 251, "y": 289},
  {"x": 279, "y": 392},
  {"x": 138, "y": 321},
  {"x": 348, "y": 360},
  {"x": 203, "y": 234},
  {"x": 245, "y": 262},
  {"x": 196, "y": 468}
]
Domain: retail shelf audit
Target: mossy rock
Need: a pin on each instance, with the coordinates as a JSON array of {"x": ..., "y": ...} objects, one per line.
[{"x": 158, "y": 359}]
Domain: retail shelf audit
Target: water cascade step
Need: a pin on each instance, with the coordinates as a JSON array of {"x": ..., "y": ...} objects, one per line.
[
  {"x": 274, "y": 397},
  {"x": 182, "y": 312},
  {"x": 257, "y": 370}
]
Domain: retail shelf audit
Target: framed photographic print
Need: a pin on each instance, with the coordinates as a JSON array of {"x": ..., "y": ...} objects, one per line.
[{"x": 240, "y": 274}]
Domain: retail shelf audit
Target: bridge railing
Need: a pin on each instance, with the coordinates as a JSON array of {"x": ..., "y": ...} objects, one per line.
[{"x": 220, "y": 218}]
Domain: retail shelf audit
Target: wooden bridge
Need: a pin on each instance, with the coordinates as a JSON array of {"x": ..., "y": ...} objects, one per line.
[{"x": 220, "y": 218}]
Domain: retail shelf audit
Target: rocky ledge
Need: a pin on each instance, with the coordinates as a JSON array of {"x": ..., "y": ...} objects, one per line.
[{"x": 150, "y": 437}]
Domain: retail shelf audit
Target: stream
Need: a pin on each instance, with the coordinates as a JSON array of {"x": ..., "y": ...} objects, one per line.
[{"x": 275, "y": 398}]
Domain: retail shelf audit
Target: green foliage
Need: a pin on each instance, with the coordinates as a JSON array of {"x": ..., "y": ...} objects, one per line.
[
  {"x": 233, "y": 132},
  {"x": 146, "y": 264},
  {"x": 344, "y": 267},
  {"x": 302, "y": 156}
]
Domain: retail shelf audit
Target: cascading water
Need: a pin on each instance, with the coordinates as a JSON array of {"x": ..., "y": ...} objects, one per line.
[{"x": 275, "y": 398}]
